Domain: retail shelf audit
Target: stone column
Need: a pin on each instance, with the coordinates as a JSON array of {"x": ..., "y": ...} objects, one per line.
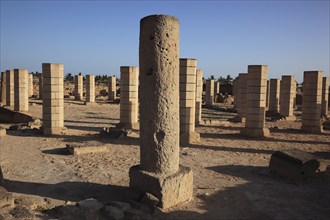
[
  {"x": 53, "y": 98},
  {"x": 30, "y": 77},
  {"x": 129, "y": 106},
  {"x": 159, "y": 172},
  {"x": 267, "y": 94},
  {"x": 274, "y": 95},
  {"x": 242, "y": 94},
  {"x": 256, "y": 102},
  {"x": 3, "y": 88},
  {"x": 90, "y": 88},
  {"x": 78, "y": 87},
  {"x": 325, "y": 96},
  {"x": 10, "y": 88},
  {"x": 112, "y": 90},
  {"x": 235, "y": 92},
  {"x": 21, "y": 90},
  {"x": 199, "y": 93},
  {"x": 40, "y": 85},
  {"x": 188, "y": 101},
  {"x": 312, "y": 102},
  {"x": 216, "y": 90},
  {"x": 209, "y": 92},
  {"x": 287, "y": 95}
]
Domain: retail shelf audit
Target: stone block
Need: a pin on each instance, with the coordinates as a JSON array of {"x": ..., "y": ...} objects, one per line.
[
  {"x": 78, "y": 149},
  {"x": 2, "y": 132},
  {"x": 255, "y": 132}
]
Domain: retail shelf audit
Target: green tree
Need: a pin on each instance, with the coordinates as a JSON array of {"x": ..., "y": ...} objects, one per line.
[{"x": 68, "y": 77}]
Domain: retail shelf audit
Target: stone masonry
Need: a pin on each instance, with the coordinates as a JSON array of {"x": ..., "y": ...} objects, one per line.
[
  {"x": 53, "y": 100},
  {"x": 30, "y": 77},
  {"x": 3, "y": 88},
  {"x": 21, "y": 90},
  {"x": 325, "y": 96},
  {"x": 90, "y": 88},
  {"x": 267, "y": 94},
  {"x": 159, "y": 172},
  {"x": 235, "y": 92},
  {"x": 274, "y": 95},
  {"x": 10, "y": 88},
  {"x": 129, "y": 106},
  {"x": 78, "y": 87},
  {"x": 287, "y": 95},
  {"x": 242, "y": 93},
  {"x": 256, "y": 102},
  {"x": 40, "y": 85},
  {"x": 209, "y": 92},
  {"x": 188, "y": 101},
  {"x": 216, "y": 90},
  {"x": 199, "y": 93},
  {"x": 312, "y": 102},
  {"x": 112, "y": 90}
]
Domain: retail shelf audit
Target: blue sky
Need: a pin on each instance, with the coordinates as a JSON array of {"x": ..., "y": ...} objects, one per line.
[{"x": 97, "y": 37}]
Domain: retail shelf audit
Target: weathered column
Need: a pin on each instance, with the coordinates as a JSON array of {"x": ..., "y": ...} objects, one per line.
[
  {"x": 90, "y": 88},
  {"x": 312, "y": 102},
  {"x": 242, "y": 94},
  {"x": 188, "y": 101},
  {"x": 10, "y": 88},
  {"x": 287, "y": 95},
  {"x": 256, "y": 101},
  {"x": 199, "y": 93},
  {"x": 30, "y": 77},
  {"x": 267, "y": 94},
  {"x": 235, "y": 92},
  {"x": 112, "y": 90},
  {"x": 53, "y": 98},
  {"x": 216, "y": 90},
  {"x": 209, "y": 92},
  {"x": 40, "y": 85},
  {"x": 129, "y": 106},
  {"x": 159, "y": 172},
  {"x": 274, "y": 95},
  {"x": 325, "y": 96},
  {"x": 78, "y": 87},
  {"x": 21, "y": 90},
  {"x": 3, "y": 88}
]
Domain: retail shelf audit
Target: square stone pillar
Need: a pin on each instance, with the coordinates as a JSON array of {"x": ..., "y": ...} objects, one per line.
[
  {"x": 216, "y": 90},
  {"x": 159, "y": 172},
  {"x": 3, "y": 88},
  {"x": 30, "y": 77},
  {"x": 40, "y": 85},
  {"x": 21, "y": 90},
  {"x": 129, "y": 106},
  {"x": 53, "y": 98},
  {"x": 325, "y": 96},
  {"x": 287, "y": 96},
  {"x": 274, "y": 95},
  {"x": 199, "y": 93},
  {"x": 90, "y": 88},
  {"x": 312, "y": 102},
  {"x": 188, "y": 101},
  {"x": 112, "y": 90},
  {"x": 242, "y": 95},
  {"x": 78, "y": 87},
  {"x": 10, "y": 88},
  {"x": 256, "y": 102},
  {"x": 209, "y": 92},
  {"x": 267, "y": 95}
]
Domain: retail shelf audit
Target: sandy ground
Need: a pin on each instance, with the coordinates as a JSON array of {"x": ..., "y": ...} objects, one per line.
[{"x": 231, "y": 176}]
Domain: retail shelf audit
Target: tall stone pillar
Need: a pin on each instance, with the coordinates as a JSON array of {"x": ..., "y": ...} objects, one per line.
[
  {"x": 216, "y": 90},
  {"x": 325, "y": 96},
  {"x": 159, "y": 172},
  {"x": 199, "y": 93},
  {"x": 129, "y": 106},
  {"x": 312, "y": 102},
  {"x": 256, "y": 101},
  {"x": 30, "y": 77},
  {"x": 78, "y": 87},
  {"x": 112, "y": 90},
  {"x": 235, "y": 92},
  {"x": 10, "y": 88},
  {"x": 21, "y": 90},
  {"x": 40, "y": 85},
  {"x": 90, "y": 88},
  {"x": 267, "y": 94},
  {"x": 188, "y": 101},
  {"x": 3, "y": 88},
  {"x": 287, "y": 95},
  {"x": 274, "y": 95},
  {"x": 209, "y": 92},
  {"x": 242, "y": 94},
  {"x": 53, "y": 98}
]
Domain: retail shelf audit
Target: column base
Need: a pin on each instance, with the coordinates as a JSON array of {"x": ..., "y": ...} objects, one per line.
[
  {"x": 188, "y": 138},
  {"x": 255, "y": 132},
  {"x": 170, "y": 190},
  {"x": 312, "y": 129},
  {"x": 54, "y": 131},
  {"x": 290, "y": 118},
  {"x": 133, "y": 126}
]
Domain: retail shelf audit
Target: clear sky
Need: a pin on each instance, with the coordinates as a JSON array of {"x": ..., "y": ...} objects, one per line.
[{"x": 97, "y": 37}]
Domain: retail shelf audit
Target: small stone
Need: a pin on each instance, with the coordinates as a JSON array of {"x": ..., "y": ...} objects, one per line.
[
  {"x": 89, "y": 204},
  {"x": 113, "y": 212},
  {"x": 149, "y": 200}
]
